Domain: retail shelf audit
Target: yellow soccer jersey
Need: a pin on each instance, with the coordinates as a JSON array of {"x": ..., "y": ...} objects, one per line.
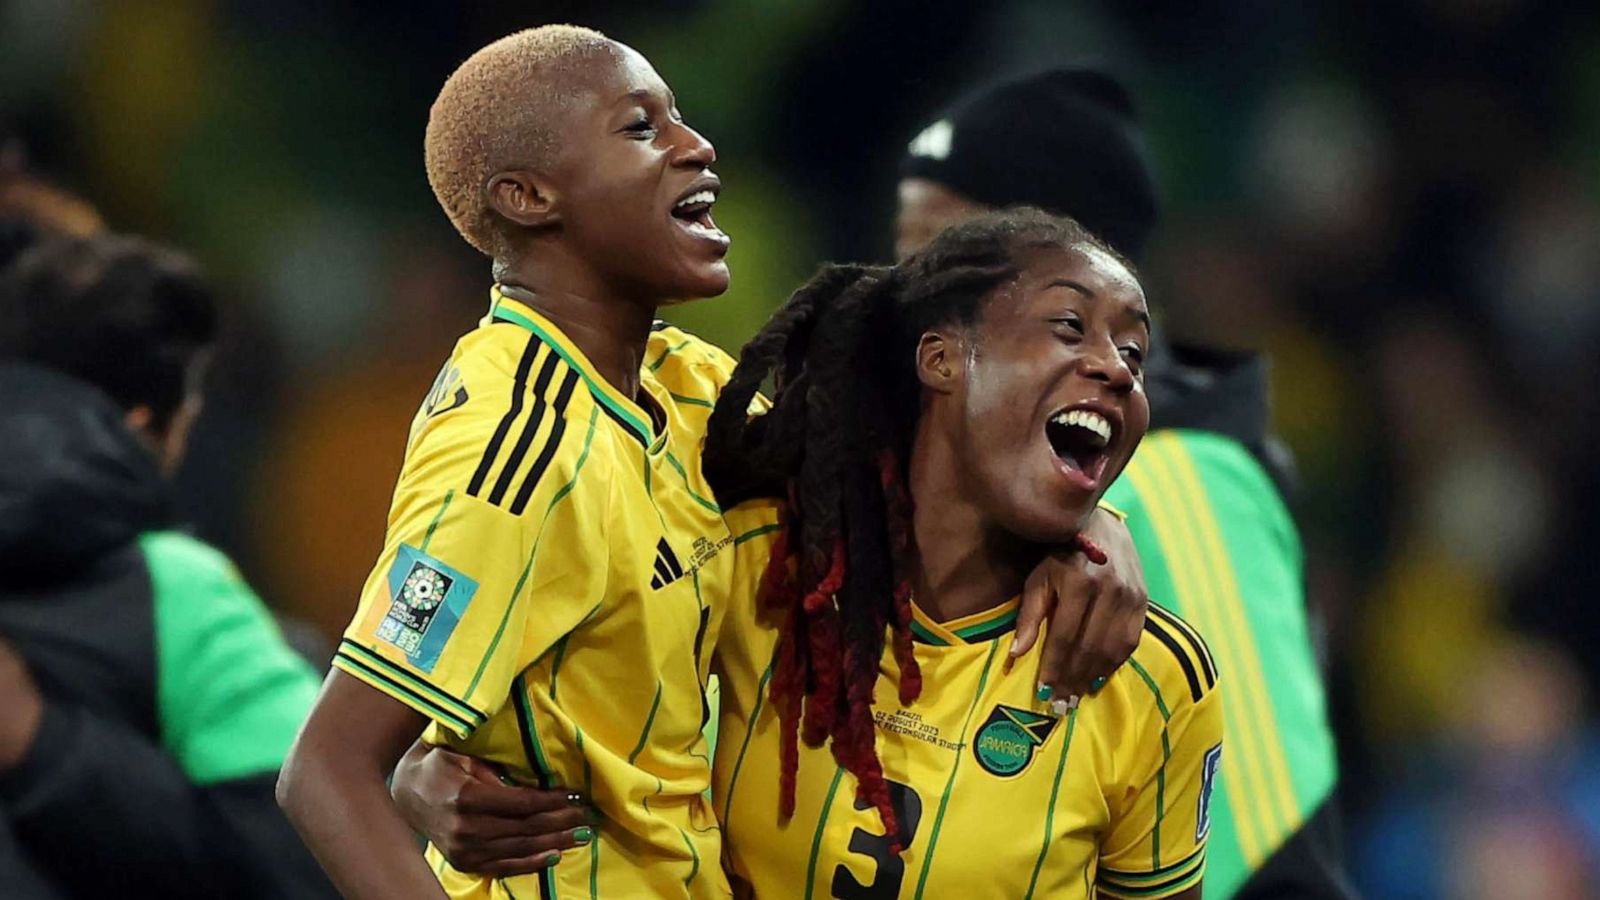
[
  {"x": 539, "y": 595},
  {"x": 996, "y": 796}
]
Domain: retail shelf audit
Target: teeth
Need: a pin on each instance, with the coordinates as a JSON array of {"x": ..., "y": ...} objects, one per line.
[
  {"x": 1086, "y": 419},
  {"x": 697, "y": 197}
]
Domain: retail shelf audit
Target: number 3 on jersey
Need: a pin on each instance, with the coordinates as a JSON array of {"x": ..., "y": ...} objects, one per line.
[{"x": 891, "y": 868}]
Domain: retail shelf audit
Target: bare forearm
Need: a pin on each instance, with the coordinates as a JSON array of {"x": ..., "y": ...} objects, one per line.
[
  {"x": 333, "y": 789},
  {"x": 346, "y": 817}
]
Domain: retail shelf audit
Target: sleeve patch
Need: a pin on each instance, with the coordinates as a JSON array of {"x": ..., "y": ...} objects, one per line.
[
  {"x": 427, "y": 601},
  {"x": 1208, "y": 783}
]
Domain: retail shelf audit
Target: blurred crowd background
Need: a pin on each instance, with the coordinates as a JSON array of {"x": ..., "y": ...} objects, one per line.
[{"x": 1399, "y": 201}]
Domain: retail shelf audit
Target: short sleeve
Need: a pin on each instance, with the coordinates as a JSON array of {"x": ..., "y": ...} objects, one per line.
[
  {"x": 495, "y": 549},
  {"x": 1157, "y": 839}
]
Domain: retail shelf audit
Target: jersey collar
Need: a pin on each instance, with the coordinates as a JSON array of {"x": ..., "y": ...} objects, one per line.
[
  {"x": 974, "y": 629},
  {"x": 625, "y": 411}
]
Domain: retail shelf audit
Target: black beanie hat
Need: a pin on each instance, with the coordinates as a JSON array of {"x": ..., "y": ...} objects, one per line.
[{"x": 1065, "y": 140}]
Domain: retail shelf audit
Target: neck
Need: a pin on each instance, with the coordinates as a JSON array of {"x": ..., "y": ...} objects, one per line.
[
  {"x": 611, "y": 331},
  {"x": 964, "y": 565}
]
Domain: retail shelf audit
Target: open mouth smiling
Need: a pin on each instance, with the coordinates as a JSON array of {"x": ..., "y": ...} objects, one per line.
[
  {"x": 693, "y": 211},
  {"x": 1081, "y": 436}
]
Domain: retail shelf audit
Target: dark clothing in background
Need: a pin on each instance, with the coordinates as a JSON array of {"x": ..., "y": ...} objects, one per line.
[
  {"x": 170, "y": 695},
  {"x": 1220, "y": 391},
  {"x": 17, "y": 873}
]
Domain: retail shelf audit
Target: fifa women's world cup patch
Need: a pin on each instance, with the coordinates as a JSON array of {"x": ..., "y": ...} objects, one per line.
[
  {"x": 1006, "y": 742},
  {"x": 427, "y": 600}
]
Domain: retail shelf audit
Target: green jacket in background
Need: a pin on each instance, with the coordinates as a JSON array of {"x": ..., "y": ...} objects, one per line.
[
  {"x": 1220, "y": 549},
  {"x": 170, "y": 696}
]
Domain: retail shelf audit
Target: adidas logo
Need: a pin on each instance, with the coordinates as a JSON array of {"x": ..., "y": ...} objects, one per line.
[{"x": 668, "y": 569}]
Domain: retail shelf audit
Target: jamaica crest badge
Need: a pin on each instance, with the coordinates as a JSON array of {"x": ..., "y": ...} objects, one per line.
[{"x": 1007, "y": 740}]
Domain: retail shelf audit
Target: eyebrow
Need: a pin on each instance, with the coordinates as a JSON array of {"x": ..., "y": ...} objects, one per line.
[
  {"x": 640, "y": 94},
  {"x": 1139, "y": 314}
]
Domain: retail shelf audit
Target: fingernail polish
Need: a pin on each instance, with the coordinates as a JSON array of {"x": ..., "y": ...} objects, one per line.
[
  {"x": 553, "y": 857},
  {"x": 583, "y": 834},
  {"x": 1045, "y": 693},
  {"x": 1097, "y": 684}
]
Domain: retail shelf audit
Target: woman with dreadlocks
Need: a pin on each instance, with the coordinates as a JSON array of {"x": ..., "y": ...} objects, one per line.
[{"x": 934, "y": 427}]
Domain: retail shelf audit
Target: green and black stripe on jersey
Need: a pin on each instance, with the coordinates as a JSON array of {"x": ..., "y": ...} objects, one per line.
[
  {"x": 976, "y": 630},
  {"x": 1159, "y": 882},
  {"x": 1193, "y": 656},
  {"x": 635, "y": 429},
  {"x": 441, "y": 705},
  {"x": 552, "y": 370}
]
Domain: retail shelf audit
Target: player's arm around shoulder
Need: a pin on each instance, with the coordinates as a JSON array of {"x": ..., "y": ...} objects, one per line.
[{"x": 1156, "y": 842}]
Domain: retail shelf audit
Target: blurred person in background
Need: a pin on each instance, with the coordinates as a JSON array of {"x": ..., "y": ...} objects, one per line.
[
  {"x": 30, "y": 209},
  {"x": 1505, "y": 802},
  {"x": 1204, "y": 492},
  {"x": 149, "y": 697}
]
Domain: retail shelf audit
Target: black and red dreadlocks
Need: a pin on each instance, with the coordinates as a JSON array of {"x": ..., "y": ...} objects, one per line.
[{"x": 836, "y": 443}]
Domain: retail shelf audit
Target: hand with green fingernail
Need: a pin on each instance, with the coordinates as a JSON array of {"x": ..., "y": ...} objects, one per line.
[{"x": 485, "y": 823}]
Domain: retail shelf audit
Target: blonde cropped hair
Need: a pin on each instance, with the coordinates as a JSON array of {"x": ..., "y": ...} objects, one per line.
[{"x": 486, "y": 119}]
